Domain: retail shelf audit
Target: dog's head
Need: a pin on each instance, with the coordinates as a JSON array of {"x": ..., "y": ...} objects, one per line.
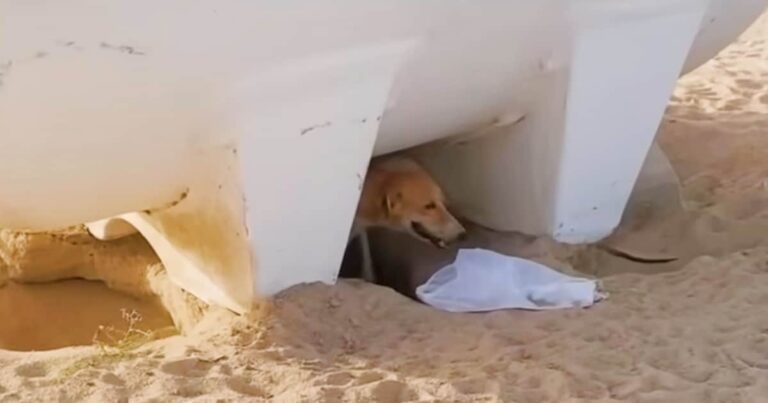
[{"x": 413, "y": 202}]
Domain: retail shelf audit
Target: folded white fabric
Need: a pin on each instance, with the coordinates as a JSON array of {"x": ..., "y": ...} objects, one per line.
[{"x": 481, "y": 280}]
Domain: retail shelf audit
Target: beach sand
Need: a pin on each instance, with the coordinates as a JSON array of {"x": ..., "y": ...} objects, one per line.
[{"x": 689, "y": 330}]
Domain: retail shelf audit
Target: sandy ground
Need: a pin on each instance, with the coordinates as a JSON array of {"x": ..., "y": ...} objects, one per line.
[{"x": 690, "y": 330}]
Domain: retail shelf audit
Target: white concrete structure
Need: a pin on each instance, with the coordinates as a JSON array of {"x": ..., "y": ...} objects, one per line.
[{"x": 235, "y": 134}]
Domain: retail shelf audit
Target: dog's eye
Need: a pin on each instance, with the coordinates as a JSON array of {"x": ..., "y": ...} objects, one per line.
[{"x": 430, "y": 206}]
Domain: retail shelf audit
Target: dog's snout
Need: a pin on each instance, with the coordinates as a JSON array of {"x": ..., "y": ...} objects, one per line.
[{"x": 462, "y": 236}]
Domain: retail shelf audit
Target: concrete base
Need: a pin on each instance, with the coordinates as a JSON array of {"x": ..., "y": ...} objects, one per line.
[
  {"x": 568, "y": 167},
  {"x": 239, "y": 151}
]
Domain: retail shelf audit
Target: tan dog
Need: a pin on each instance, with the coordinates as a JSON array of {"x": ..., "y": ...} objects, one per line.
[{"x": 400, "y": 195}]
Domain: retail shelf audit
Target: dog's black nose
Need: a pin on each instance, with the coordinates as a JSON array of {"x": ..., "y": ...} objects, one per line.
[{"x": 462, "y": 236}]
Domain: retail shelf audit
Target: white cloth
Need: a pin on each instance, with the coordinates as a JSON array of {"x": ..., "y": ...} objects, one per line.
[{"x": 481, "y": 280}]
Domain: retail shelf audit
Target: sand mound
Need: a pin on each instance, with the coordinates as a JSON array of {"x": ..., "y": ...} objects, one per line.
[
  {"x": 693, "y": 335},
  {"x": 687, "y": 330}
]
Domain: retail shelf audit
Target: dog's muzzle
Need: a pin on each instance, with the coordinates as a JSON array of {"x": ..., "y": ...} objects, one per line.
[{"x": 424, "y": 233}]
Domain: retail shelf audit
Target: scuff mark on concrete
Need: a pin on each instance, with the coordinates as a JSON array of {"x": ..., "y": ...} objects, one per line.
[
  {"x": 173, "y": 203},
  {"x": 314, "y": 127},
  {"x": 69, "y": 44},
  {"x": 5, "y": 68},
  {"x": 130, "y": 50}
]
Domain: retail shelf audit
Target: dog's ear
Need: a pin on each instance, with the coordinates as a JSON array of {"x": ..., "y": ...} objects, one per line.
[
  {"x": 386, "y": 205},
  {"x": 390, "y": 202}
]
